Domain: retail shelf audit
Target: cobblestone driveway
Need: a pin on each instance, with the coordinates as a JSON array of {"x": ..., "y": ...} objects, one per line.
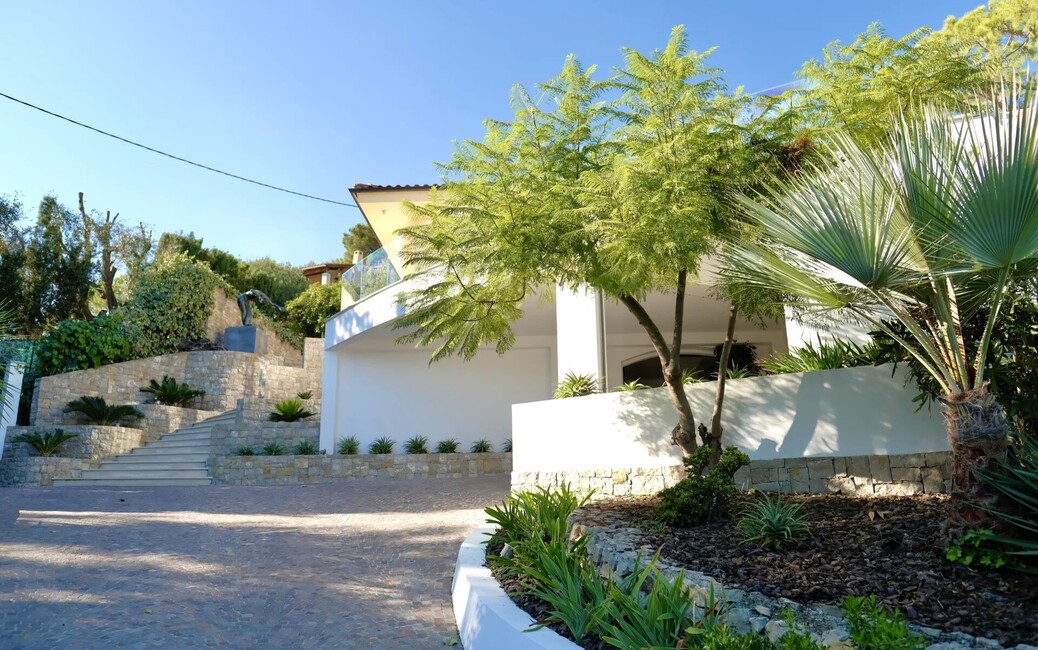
[{"x": 343, "y": 565}]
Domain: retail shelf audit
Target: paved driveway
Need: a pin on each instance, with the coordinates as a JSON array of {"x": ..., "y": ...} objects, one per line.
[{"x": 345, "y": 565}]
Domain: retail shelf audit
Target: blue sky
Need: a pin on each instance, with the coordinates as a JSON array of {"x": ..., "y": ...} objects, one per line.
[{"x": 316, "y": 96}]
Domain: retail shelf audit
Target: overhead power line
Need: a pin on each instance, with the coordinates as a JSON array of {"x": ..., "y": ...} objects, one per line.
[{"x": 178, "y": 158}]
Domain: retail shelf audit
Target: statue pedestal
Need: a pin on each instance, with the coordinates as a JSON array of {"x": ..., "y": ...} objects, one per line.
[{"x": 247, "y": 338}]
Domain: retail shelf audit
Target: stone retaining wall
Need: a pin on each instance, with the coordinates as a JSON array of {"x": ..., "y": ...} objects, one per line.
[
  {"x": 905, "y": 474},
  {"x": 160, "y": 419},
  {"x": 282, "y": 470},
  {"x": 229, "y": 438},
  {"x": 256, "y": 409},
  {"x": 226, "y": 377},
  {"x": 22, "y": 465}
]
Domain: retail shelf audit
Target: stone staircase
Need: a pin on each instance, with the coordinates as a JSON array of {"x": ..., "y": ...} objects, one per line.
[{"x": 178, "y": 458}]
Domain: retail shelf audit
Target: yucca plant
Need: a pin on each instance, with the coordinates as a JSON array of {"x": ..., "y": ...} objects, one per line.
[
  {"x": 822, "y": 355},
  {"x": 576, "y": 386},
  {"x": 691, "y": 377},
  {"x": 305, "y": 395},
  {"x": 171, "y": 393},
  {"x": 272, "y": 448},
  {"x": 921, "y": 231},
  {"x": 45, "y": 443},
  {"x": 417, "y": 445},
  {"x": 1017, "y": 482},
  {"x": 245, "y": 450},
  {"x": 290, "y": 410},
  {"x": 481, "y": 446},
  {"x": 305, "y": 448},
  {"x": 349, "y": 446},
  {"x": 448, "y": 446},
  {"x": 383, "y": 445},
  {"x": 97, "y": 411},
  {"x": 507, "y": 447},
  {"x": 771, "y": 524},
  {"x": 632, "y": 385}
]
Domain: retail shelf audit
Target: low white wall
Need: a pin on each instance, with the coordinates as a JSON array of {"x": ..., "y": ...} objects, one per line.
[
  {"x": 849, "y": 412},
  {"x": 396, "y": 393}
]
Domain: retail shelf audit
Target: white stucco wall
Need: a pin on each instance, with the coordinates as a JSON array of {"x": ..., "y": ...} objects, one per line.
[
  {"x": 579, "y": 333},
  {"x": 849, "y": 412},
  {"x": 398, "y": 394}
]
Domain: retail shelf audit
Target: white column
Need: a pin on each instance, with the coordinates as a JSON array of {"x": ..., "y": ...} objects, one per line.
[
  {"x": 580, "y": 334},
  {"x": 329, "y": 400},
  {"x": 12, "y": 388}
]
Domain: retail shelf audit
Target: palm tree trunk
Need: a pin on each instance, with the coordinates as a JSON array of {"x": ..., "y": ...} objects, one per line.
[{"x": 977, "y": 434}]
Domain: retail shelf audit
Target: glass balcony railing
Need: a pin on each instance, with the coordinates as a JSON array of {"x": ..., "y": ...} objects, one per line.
[{"x": 372, "y": 273}]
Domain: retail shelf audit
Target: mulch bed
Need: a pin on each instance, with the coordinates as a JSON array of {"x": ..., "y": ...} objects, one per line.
[{"x": 892, "y": 547}]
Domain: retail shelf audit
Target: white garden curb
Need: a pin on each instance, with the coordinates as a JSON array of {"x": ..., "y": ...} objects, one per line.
[{"x": 487, "y": 618}]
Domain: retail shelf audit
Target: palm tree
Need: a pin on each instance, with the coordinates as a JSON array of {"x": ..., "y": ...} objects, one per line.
[{"x": 910, "y": 237}]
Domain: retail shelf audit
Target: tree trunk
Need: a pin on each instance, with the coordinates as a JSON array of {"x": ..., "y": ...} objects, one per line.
[
  {"x": 107, "y": 267},
  {"x": 977, "y": 435},
  {"x": 712, "y": 438}
]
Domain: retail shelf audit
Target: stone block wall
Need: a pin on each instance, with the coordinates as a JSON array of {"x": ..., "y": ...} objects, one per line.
[
  {"x": 228, "y": 438},
  {"x": 159, "y": 419},
  {"x": 635, "y": 481},
  {"x": 226, "y": 314},
  {"x": 226, "y": 377},
  {"x": 259, "y": 409},
  {"x": 21, "y": 465},
  {"x": 283, "y": 470},
  {"x": 905, "y": 474}
]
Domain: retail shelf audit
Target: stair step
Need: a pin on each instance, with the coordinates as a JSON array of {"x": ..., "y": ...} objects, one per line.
[
  {"x": 187, "y": 434},
  {"x": 175, "y": 444},
  {"x": 144, "y": 463},
  {"x": 145, "y": 473},
  {"x": 131, "y": 482},
  {"x": 168, "y": 454}
]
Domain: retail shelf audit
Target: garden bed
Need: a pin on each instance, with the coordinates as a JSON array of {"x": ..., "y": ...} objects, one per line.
[{"x": 892, "y": 547}]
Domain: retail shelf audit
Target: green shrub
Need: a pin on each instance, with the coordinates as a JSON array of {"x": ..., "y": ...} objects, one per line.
[
  {"x": 873, "y": 627},
  {"x": 541, "y": 512},
  {"x": 97, "y": 411},
  {"x": 507, "y": 447},
  {"x": 305, "y": 395},
  {"x": 170, "y": 393},
  {"x": 698, "y": 498},
  {"x": 1017, "y": 482},
  {"x": 290, "y": 410},
  {"x": 273, "y": 449},
  {"x": 568, "y": 581},
  {"x": 417, "y": 445},
  {"x": 80, "y": 345},
  {"x": 771, "y": 524},
  {"x": 310, "y": 309},
  {"x": 306, "y": 448},
  {"x": 383, "y": 445},
  {"x": 46, "y": 444},
  {"x": 629, "y": 386},
  {"x": 245, "y": 451},
  {"x": 172, "y": 302},
  {"x": 448, "y": 446},
  {"x": 481, "y": 446},
  {"x": 576, "y": 386},
  {"x": 976, "y": 547},
  {"x": 691, "y": 377},
  {"x": 349, "y": 446},
  {"x": 823, "y": 355}
]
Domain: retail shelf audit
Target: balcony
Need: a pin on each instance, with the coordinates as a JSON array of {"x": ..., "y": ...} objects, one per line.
[{"x": 371, "y": 274}]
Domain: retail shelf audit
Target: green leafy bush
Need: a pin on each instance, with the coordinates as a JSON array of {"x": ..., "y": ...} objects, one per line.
[
  {"x": 305, "y": 395},
  {"x": 383, "y": 445},
  {"x": 272, "y": 448},
  {"x": 823, "y": 355},
  {"x": 97, "y": 411},
  {"x": 691, "y": 377},
  {"x": 507, "y": 447},
  {"x": 290, "y": 410},
  {"x": 1017, "y": 482},
  {"x": 306, "y": 448},
  {"x": 170, "y": 393},
  {"x": 349, "y": 446},
  {"x": 576, "y": 386},
  {"x": 171, "y": 304},
  {"x": 541, "y": 512},
  {"x": 448, "y": 446},
  {"x": 245, "y": 451},
  {"x": 568, "y": 581},
  {"x": 629, "y": 386},
  {"x": 873, "y": 627},
  {"x": 80, "y": 345},
  {"x": 698, "y": 498},
  {"x": 481, "y": 446},
  {"x": 310, "y": 309},
  {"x": 771, "y": 524},
  {"x": 976, "y": 548},
  {"x": 46, "y": 444},
  {"x": 417, "y": 445}
]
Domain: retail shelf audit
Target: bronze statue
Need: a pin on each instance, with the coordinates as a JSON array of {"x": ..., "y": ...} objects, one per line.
[{"x": 250, "y": 296}]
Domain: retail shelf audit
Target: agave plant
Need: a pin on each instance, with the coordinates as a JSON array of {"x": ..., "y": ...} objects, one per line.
[
  {"x": 170, "y": 393},
  {"x": 628, "y": 386},
  {"x": 349, "y": 446},
  {"x": 576, "y": 386},
  {"x": 921, "y": 231},
  {"x": 417, "y": 445},
  {"x": 290, "y": 410},
  {"x": 45, "y": 443},
  {"x": 97, "y": 411}
]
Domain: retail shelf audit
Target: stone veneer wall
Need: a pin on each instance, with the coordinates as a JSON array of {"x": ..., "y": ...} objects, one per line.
[
  {"x": 226, "y": 377},
  {"x": 226, "y": 314},
  {"x": 902, "y": 474},
  {"x": 259, "y": 409},
  {"x": 282, "y": 470},
  {"x": 229, "y": 438},
  {"x": 160, "y": 419},
  {"x": 21, "y": 465}
]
